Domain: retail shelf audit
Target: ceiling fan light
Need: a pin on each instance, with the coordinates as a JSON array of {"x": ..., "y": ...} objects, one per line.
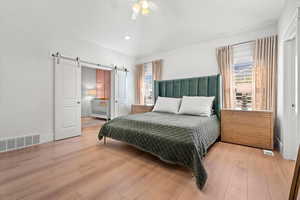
[
  {"x": 145, "y": 4},
  {"x": 136, "y": 8},
  {"x": 145, "y": 11}
]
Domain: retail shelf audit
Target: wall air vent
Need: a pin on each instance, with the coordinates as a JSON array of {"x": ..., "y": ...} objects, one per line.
[
  {"x": 9, "y": 144},
  {"x": 2, "y": 145},
  {"x": 268, "y": 152}
]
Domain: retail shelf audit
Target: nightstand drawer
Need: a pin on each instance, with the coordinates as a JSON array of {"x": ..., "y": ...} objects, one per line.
[
  {"x": 261, "y": 120},
  {"x": 251, "y": 128},
  {"x": 257, "y": 138},
  {"x": 249, "y": 141}
]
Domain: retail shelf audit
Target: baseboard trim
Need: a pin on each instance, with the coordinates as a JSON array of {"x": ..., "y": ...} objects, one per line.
[
  {"x": 285, "y": 155},
  {"x": 45, "y": 138},
  {"x": 279, "y": 145}
]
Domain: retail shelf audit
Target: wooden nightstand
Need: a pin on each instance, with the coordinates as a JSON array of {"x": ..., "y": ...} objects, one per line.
[
  {"x": 251, "y": 128},
  {"x": 136, "y": 108}
]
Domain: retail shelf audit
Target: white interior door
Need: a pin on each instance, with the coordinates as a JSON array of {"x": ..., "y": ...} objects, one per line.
[
  {"x": 120, "y": 93},
  {"x": 67, "y": 100},
  {"x": 291, "y": 98}
]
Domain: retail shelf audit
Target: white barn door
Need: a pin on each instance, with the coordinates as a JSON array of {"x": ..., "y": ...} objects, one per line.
[
  {"x": 67, "y": 100},
  {"x": 120, "y": 93},
  {"x": 290, "y": 111}
]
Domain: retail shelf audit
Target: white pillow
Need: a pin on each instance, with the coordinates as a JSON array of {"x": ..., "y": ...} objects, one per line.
[
  {"x": 165, "y": 104},
  {"x": 197, "y": 105}
]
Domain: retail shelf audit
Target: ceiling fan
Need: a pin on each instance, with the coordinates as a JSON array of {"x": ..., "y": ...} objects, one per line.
[{"x": 143, "y": 7}]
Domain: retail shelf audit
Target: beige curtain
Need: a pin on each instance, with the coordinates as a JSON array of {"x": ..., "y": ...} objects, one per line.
[
  {"x": 224, "y": 58},
  {"x": 140, "y": 84},
  {"x": 265, "y": 73},
  {"x": 157, "y": 70}
]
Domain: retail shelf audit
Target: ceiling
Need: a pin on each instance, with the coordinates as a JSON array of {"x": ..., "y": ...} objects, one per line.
[{"x": 176, "y": 23}]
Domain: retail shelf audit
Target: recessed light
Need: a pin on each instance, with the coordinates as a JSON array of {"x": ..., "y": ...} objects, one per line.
[{"x": 127, "y": 37}]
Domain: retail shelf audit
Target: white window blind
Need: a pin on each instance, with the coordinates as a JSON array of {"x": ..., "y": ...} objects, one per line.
[{"x": 243, "y": 80}]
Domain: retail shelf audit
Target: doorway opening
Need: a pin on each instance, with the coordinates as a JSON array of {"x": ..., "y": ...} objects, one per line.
[
  {"x": 95, "y": 97},
  {"x": 86, "y": 95}
]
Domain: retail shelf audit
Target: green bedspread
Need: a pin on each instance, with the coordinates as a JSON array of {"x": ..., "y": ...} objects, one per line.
[{"x": 178, "y": 139}]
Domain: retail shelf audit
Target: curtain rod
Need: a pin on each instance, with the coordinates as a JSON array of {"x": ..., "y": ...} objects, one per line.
[
  {"x": 151, "y": 61},
  {"x": 77, "y": 59},
  {"x": 147, "y": 62},
  {"x": 236, "y": 44},
  {"x": 249, "y": 41}
]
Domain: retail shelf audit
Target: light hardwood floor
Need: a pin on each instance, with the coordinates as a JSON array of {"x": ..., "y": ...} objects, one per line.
[
  {"x": 81, "y": 168},
  {"x": 87, "y": 122}
]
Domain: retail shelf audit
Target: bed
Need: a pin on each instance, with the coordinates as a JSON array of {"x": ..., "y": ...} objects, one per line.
[{"x": 174, "y": 138}]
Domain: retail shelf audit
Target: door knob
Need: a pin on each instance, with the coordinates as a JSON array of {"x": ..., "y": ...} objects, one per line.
[{"x": 78, "y": 102}]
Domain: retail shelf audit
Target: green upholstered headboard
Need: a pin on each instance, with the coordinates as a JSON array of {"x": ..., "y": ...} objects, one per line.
[{"x": 200, "y": 86}]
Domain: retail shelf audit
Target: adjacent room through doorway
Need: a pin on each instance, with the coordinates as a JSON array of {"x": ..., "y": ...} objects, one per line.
[{"x": 95, "y": 96}]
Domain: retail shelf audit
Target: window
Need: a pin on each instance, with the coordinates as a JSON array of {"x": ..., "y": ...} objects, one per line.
[
  {"x": 148, "y": 84},
  {"x": 146, "y": 74},
  {"x": 249, "y": 74},
  {"x": 242, "y": 78}
]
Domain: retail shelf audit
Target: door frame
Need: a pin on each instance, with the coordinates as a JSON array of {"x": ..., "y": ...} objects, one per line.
[{"x": 289, "y": 148}]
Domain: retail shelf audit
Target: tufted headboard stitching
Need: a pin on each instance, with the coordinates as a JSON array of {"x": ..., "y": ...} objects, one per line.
[{"x": 200, "y": 86}]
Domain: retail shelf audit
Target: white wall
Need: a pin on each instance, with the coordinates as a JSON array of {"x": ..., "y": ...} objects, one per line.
[
  {"x": 200, "y": 59},
  {"x": 284, "y": 21},
  {"x": 26, "y": 78}
]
